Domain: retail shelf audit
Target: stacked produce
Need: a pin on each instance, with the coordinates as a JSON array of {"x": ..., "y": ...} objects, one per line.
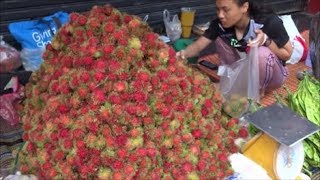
[
  {"x": 235, "y": 105},
  {"x": 305, "y": 101},
  {"x": 111, "y": 101}
]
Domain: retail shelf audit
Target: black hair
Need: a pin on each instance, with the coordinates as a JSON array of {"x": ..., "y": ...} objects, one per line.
[{"x": 257, "y": 10}]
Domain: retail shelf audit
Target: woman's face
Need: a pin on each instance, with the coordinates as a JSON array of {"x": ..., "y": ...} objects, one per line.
[{"x": 230, "y": 13}]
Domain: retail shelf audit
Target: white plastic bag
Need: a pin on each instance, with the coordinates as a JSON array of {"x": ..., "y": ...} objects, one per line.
[
  {"x": 32, "y": 58},
  {"x": 245, "y": 168},
  {"x": 298, "y": 43},
  {"x": 300, "y": 50},
  {"x": 173, "y": 27}
]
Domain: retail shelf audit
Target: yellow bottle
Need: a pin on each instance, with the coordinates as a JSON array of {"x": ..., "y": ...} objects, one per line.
[{"x": 187, "y": 20}]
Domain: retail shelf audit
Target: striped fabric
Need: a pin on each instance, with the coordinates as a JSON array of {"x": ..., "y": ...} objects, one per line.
[{"x": 10, "y": 142}]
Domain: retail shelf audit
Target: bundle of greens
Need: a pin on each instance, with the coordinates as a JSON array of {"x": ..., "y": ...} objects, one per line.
[{"x": 305, "y": 101}]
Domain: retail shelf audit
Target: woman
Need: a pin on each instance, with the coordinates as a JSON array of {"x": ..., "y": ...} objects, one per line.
[{"x": 238, "y": 23}]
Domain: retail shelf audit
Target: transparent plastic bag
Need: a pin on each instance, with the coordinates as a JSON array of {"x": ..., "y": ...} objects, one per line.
[
  {"x": 239, "y": 79},
  {"x": 8, "y": 104},
  {"x": 253, "y": 74},
  {"x": 9, "y": 57},
  {"x": 173, "y": 27},
  {"x": 32, "y": 58}
]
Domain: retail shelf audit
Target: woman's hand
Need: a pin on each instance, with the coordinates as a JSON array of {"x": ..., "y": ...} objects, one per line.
[
  {"x": 181, "y": 55},
  {"x": 284, "y": 53},
  {"x": 260, "y": 39}
]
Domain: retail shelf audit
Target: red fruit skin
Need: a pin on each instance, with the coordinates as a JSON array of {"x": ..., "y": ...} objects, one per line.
[
  {"x": 222, "y": 157},
  {"x": 120, "y": 86},
  {"x": 98, "y": 76},
  {"x": 127, "y": 19},
  {"x": 129, "y": 169},
  {"x": 30, "y": 147},
  {"x": 117, "y": 176},
  {"x": 243, "y": 132},
  {"x": 108, "y": 49},
  {"x": 197, "y": 133},
  {"x": 109, "y": 28},
  {"x": 187, "y": 167},
  {"x": 24, "y": 169},
  {"x": 117, "y": 165},
  {"x": 99, "y": 95},
  {"x": 201, "y": 165},
  {"x": 122, "y": 153},
  {"x": 25, "y": 136},
  {"x": 232, "y": 134}
]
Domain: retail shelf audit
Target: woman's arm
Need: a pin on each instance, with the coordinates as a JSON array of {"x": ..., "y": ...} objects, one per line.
[
  {"x": 194, "y": 49},
  {"x": 280, "y": 44},
  {"x": 283, "y": 53}
]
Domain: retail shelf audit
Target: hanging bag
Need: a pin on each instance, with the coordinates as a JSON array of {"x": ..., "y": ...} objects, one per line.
[
  {"x": 34, "y": 35},
  {"x": 173, "y": 27}
]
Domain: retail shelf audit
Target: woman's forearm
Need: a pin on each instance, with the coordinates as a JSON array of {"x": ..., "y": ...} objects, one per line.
[
  {"x": 195, "y": 48},
  {"x": 283, "y": 53}
]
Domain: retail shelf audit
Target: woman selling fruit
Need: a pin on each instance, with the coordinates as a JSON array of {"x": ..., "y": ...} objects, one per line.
[{"x": 238, "y": 23}]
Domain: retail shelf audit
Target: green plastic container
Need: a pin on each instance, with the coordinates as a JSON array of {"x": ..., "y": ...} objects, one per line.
[{"x": 181, "y": 44}]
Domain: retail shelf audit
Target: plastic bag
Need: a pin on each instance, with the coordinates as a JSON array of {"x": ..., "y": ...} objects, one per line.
[
  {"x": 9, "y": 57},
  {"x": 32, "y": 58},
  {"x": 37, "y": 33},
  {"x": 239, "y": 80},
  {"x": 19, "y": 176},
  {"x": 300, "y": 49},
  {"x": 173, "y": 27},
  {"x": 8, "y": 103},
  {"x": 34, "y": 35},
  {"x": 253, "y": 73}
]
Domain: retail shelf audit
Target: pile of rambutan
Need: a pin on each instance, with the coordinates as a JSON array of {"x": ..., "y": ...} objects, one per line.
[{"x": 111, "y": 101}]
